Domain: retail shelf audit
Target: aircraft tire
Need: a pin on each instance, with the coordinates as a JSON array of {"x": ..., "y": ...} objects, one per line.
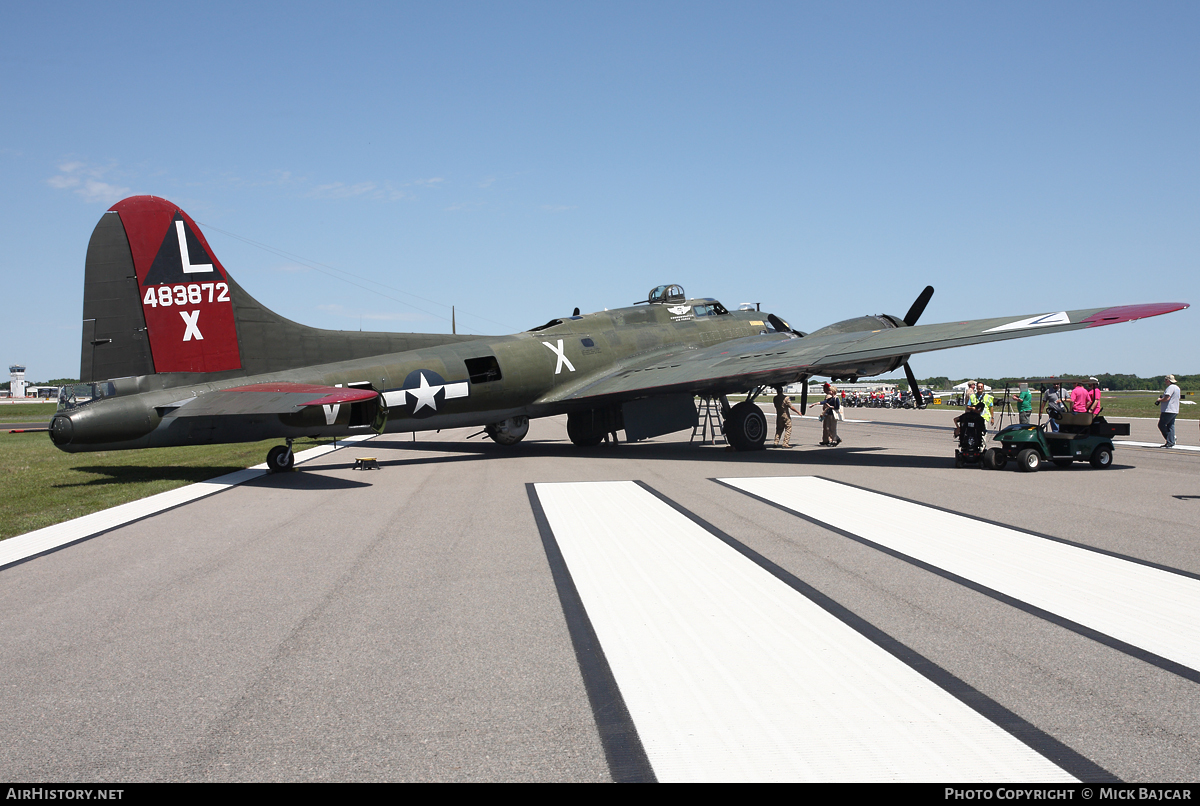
[
  {"x": 746, "y": 427},
  {"x": 1102, "y": 457},
  {"x": 583, "y": 433},
  {"x": 1029, "y": 460},
  {"x": 280, "y": 459}
]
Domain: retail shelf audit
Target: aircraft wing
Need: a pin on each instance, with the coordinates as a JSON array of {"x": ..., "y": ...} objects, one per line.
[
  {"x": 265, "y": 398},
  {"x": 781, "y": 358}
]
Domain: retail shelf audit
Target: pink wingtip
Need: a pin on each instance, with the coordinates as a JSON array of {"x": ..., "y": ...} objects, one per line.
[{"x": 1128, "y": 313}]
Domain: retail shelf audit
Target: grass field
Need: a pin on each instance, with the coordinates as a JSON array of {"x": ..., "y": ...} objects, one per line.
[
  {"x": 27, "y": 412},
  {"x": 43, "y": 486},
  {"x": 1129, "y": 404}
]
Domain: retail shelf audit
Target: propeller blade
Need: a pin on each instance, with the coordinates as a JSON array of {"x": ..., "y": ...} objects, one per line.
[
  {"x": 780, "y": 325},
  {"x": 918, "y": 307},
  {"x": 912, "y": 381}
]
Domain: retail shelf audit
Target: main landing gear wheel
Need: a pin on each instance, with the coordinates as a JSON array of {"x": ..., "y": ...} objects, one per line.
[
  {"x": 587, "y": 428},
  {"x": 1102, "y": 457},
  {"x": 280, "y": 459},
  {"x": 746, "y": 427}
]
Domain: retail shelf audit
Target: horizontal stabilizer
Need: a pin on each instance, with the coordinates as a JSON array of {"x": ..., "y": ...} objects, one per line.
[{"x": 267, "y": 398}]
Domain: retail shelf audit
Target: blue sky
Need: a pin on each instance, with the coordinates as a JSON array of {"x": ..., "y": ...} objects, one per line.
[{"x": 519, "y": 159}]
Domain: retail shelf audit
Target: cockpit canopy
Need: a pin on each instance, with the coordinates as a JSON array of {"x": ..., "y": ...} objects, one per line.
[{"x": 666, "y": 293}]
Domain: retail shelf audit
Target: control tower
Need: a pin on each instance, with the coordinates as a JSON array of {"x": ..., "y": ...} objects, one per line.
[{"x": 16, "y": 377}]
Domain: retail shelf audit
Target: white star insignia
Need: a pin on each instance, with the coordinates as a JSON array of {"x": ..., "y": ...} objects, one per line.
[{"x": 425, "y": 395}]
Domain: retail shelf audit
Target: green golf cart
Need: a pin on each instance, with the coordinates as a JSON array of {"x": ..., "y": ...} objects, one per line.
[{"x": 1080, "y": 438}]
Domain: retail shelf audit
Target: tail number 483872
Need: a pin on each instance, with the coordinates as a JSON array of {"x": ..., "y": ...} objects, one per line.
[{"x": 189, "y": 294}]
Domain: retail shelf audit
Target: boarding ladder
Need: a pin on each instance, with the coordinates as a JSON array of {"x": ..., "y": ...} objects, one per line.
[{"x": 708, "y": 421}]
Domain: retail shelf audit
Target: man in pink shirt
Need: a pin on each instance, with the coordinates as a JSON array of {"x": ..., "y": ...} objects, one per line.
[
  {"x": 1094, "y": 396},
  {"x": 1080, "y": 398}
]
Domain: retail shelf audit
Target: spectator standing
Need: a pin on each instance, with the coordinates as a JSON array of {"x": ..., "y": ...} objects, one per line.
[
  {"x": 1024, "y": 403},
  {"x": 1053, "y": 402},
  {"x": 829, "y": 413},
  {"x": 783, "y": 418},
  {"x": 1168, "y": 408},
  {"x": 985, "y": 397}
]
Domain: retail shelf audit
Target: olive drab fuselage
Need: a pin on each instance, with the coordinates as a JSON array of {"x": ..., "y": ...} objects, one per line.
[{"x": 466, "y": 383}]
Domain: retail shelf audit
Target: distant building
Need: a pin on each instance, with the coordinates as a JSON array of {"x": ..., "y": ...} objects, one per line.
[{"x": 16, "y": 380}]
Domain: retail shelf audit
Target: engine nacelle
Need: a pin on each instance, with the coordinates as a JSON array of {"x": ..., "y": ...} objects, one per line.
[{"x": 861, "y": 324}]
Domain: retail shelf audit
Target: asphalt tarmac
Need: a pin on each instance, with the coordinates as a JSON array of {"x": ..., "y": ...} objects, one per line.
[{"x": 461, "y": 614}]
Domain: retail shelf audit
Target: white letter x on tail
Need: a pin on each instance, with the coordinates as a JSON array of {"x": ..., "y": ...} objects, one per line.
[
  {"x": 562, "y": 358},
  {"x": 192, "y": 331}
]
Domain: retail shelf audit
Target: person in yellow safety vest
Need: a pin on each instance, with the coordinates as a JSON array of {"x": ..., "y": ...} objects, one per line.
[{"x": 988, "y": 402}]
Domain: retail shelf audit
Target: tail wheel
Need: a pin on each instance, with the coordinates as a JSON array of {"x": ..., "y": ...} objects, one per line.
[
  {"x": 1102, "y": 457},
  {"x": 746, "y": 427},
  {"x": 1029, "y": 460},
  {"x": 280, "y": 459}
]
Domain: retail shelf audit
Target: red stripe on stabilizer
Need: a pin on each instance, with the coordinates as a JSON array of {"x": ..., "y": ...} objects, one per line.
[
  {"x": 350, "y": 396},
  {"x": 190, "y": 329},
  {"x": 330, "y": 394},
  {"x": 1128, "y": 313}
]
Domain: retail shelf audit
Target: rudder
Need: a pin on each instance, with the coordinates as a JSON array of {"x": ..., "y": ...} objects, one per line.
[{"x": 155, "y": 298}]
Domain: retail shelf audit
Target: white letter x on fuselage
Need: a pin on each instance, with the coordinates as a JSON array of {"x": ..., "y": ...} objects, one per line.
[{"x": 562, "y": 358}]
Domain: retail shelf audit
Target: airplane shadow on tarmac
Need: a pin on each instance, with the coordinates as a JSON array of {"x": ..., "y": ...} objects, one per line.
[
  {"x": 799, "y": 455},
  {"x": 133, "y": 474},
  {"x": 667, "y": 451},
  {"x": 305, "y": 481}
]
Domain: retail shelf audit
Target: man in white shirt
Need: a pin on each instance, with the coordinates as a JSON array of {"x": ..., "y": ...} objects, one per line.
[{"x": 1168, "y": 408}]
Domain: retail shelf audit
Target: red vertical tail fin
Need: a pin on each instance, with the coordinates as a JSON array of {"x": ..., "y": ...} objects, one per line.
[{"x": 156, "y": 299}]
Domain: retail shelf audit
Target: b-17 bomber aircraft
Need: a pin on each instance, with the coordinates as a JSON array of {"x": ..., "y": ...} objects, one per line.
[{"x": 179, "y": 354}]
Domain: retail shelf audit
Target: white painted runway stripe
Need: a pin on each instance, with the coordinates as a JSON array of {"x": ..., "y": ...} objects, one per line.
[
  {"x": 1144, "y": 607},
  {"x": 730, "y": 674},
  {"x": 41, "y": 541},
  {"x": 1159, "y": 445}
]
